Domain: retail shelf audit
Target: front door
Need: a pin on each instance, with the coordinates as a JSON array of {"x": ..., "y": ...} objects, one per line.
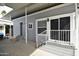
[
  {"x": 41, "y": 31},
  {"x": 21, "y": 29}
]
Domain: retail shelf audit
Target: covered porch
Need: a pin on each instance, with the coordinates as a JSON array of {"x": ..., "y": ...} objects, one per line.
[
  {"x": 6, "y": 27},
  {"x": 54, "y": 30},
  {"x": 59, "y": 33}
]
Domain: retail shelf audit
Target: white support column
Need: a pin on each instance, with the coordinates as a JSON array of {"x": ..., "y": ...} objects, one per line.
[
  {"x": 10, "y": 31},
  {"x": 26, "y": 25},
  {"x": 36, "y": 34},
  {"x": 77, "y": 31},
  {"x": 48, "y": 29},
  {"x": 4, "y": 30}
]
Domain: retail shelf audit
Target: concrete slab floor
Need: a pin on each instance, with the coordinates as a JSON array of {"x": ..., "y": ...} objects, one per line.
[{"x": 20, "y": 48}]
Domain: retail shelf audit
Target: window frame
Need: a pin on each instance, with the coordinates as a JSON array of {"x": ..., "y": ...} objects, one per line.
[
  {"x": 58, "y": 17},
  {"x": 45, "y": 19}
]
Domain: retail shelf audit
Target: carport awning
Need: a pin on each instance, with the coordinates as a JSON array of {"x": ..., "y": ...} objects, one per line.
[
  {"x": 6, "y": 22},
  {"x": 4, "y": 10}
]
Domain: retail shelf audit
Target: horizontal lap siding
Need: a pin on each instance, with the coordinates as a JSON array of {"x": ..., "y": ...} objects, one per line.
[
  {"x": 16, "y": 26},
  {"x": 31, "y": 19}
]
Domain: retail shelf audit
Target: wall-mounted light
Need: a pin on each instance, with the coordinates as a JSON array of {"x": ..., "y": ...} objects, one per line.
[{"x": 47, "y": 19}]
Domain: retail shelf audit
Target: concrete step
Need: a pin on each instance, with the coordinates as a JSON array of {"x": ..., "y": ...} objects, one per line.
[
  {"x": 60, "y": 45},
  {"x": 58, "y": 49}
]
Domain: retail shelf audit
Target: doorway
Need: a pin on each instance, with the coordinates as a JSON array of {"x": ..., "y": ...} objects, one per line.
[
  {"x": 7, "y": 31},
  {"x": 21, "y": 28}
]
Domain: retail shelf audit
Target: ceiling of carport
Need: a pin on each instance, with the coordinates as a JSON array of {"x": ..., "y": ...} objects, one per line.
[
  {"x": 16, "y": 6},
  {"x": 19, "y": 8}
]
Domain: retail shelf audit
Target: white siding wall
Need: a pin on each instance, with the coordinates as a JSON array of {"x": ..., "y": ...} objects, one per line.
[
  {"x": 31, "y": 33},
  {"x": 31, "y": 19},
  {"x": 16, "y": 26}
]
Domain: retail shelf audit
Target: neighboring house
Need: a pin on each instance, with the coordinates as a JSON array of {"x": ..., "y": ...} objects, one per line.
[{"x": 5, "y": 26}]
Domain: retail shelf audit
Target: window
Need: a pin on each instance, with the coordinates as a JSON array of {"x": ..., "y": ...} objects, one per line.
[
  {"x": 54, "y": 35},
  {"x": 40, "y": 30},
  {"x": 65, "y": 23},
  {"x": 54, "y": 29},
  {"x": 42, "y": 27},
  {"x": 54, "y": 24},
  {"x": 60, "y": 29},
  {"x": 65, "y": 28}
]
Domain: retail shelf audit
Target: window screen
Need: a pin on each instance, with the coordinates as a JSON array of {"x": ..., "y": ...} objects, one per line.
[
  {"x": 54, "y": 24},
  {"x": 60, "y": 29},
  {"x": 65, "y": 23}
]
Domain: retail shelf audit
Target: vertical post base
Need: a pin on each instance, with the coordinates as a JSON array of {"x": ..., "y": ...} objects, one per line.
[{"x": 77, "y": 52}]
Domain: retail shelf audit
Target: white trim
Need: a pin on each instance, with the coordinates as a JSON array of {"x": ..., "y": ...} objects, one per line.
[
  {"x": 62, "y": 5},
  {"x": 59, "y": 28},
  {"x": 77, "y": 30},
  {"x": 5, "y": 20},
  {"x": 37, "y": 30},
  {"x": 42, "y": 27},
  {"x": 10, "y": 30},
  {"x": 56, "y": 16},
  {"x": 71, "y": 29},
  {"x": 51, "y": 18},
  {"x": 42, "y": 19},
  {"x": 61, "y": 42},
  {"x": 62, "y": 15},
  {"x": 42, "y": 34},
  {"x": 4, "y": 30},
  {"x": 18, "y": 18},
  {"x": 2, "y": 21},
  {"x": 76, "y": 26},
  {"x": 36, "y": 35}
]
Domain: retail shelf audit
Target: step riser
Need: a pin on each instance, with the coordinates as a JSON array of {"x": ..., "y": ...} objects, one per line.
[
  {"x": 59, "y": 45},
  {"x": 59, "y": 49},
  {"x": 57, "y": 53}
]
